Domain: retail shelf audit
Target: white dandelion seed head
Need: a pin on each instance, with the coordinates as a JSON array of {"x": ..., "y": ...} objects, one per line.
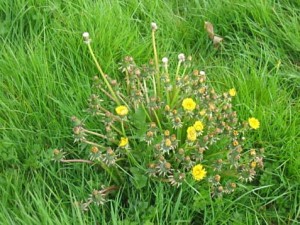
[
  {"x": 165, "y": 60},
  {"x": 86, "y": 37},
  {"x": 154, "y": 26},
  {"x": 181, "y": 57}
]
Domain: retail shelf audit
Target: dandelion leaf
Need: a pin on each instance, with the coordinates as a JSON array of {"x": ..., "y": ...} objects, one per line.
[
  {"x": 139, "y": 121},
  {"x": 139, "y": 180}
]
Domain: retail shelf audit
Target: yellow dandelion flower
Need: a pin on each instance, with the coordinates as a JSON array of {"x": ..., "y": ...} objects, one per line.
[
  {"x": 198, "y": 125},
  {"x": 123, "y": 142},
  {"x": 232, "y": 92},
  {"x": 188, "y": 104},
  {"x": 122, "y": 110},
  {"x": 254, "y": 123},
  {"x": 191, "y": 134},
  {"x": 198, "y": 172}
]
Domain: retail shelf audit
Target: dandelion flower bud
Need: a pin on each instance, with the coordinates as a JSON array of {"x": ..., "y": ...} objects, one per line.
[
  {"x": 154, "y": 26},
  {"x": 86, "y": 37},
  {"x": 181, "y": 57},
  {"x": 220, "y": 189},
  {"x": 168, "y": 142},
  {"x": 167, "y": 108},
  {"x": 181, "y": 151},
  {"x": 56, "y": 151},
  {"x": 167, "y": 133},
  {"x": 110, "y": 151},
  {"x": 153, "y": 125},
  {"x": 217, "y": 178},
  {"x": 167, "y": 165},
  {"x": 252, "y": 152},
  {"x": 165, "y": 60},
  {"x": 94, "y": 149}
]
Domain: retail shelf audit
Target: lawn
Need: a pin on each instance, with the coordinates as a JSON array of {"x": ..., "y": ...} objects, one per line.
[{"x": 46, "y": 74}]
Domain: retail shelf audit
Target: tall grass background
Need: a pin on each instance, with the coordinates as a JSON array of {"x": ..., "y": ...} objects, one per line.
[{"x": 46, "y": 72}]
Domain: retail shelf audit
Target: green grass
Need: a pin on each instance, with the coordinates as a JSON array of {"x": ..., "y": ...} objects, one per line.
[{"x": 46, "y": 74}]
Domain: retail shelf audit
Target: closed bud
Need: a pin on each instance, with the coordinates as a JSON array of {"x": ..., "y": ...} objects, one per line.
[
  {"x": 217, "y": 178},
  {"x": 167, "y": 108},
  {"x": 94, "y": 149},
  {"x": 168, "y": 165},
  {"x": 233, "y": 185},
  {"x": 149, "y": 134},
  {"x": 167, "y": 133},
  {"x": 110, "y": 151},
  {"x": 168, "y": 142},
  {"x": 153, "y": 125},
  {"x": 152, "y": 165},
  {"x": 181, "y": 151},
  {"x": 56, "y": 151}
]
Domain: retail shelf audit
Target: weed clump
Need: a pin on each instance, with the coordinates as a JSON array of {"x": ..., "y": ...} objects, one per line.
[{"x": 167, "y": 124}]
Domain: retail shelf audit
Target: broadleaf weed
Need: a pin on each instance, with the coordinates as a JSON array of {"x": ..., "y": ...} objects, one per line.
[{"x": 166, "y": 123}]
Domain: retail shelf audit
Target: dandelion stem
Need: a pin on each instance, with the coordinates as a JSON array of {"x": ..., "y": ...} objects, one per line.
[
  {"x": 157, "y": 78},
  {"x": 147, "y": 114},
  {"x": 123, "y": 130},
  {"x": 154, "y": 85},
  {"x": 94, "y": 133},
  {"x": 117, "y": 178},
  {"x": 124, "y": 171},
  {"x": 178, "y": 68},
  {"x": 103, "y": 75},
  {"x": 127, "y": 82},
  {"x": 92, "y": 143},
  {"x": 184, "y": 70},
  {"x": 109, "y": 189},
  {"x": 157, "y": 119},
  {"x": 116, "y": 129},
  {"x": 76, "y": 161},
  {"x": 107, "y": 94},
  {"x": 194, "y": 189},
  {"x": 146, "y": 91},
  {"x": 168, "y": 77},
  {"x": 176, "y": 89}
]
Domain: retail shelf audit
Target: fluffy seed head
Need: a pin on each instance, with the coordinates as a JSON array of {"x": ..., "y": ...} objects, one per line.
[
  {"x": 181, "y": 57},
  {"x": 86, "y": 37},
  {"x": 165, "y": 60},
  {"x": 154, "y": 26}
]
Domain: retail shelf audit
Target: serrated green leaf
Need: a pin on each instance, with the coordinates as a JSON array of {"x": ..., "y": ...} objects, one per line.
[
  {"x": 139, "y": 180},
  {"x": 139, "y": 121}
]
